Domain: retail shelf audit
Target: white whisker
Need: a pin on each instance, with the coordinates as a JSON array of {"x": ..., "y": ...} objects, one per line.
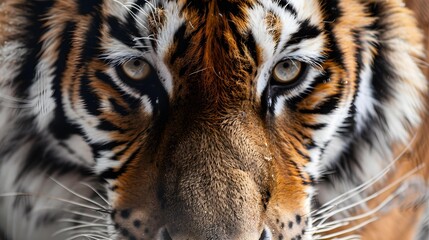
[
  {"x": 372, "y": 196},
  {"x": 328, "y": 227},
  {"x": 152, "y": 11},
  {"x": 362, "y": 187},
  {"x": 96, "y": 192},
  {"x": 94, "y": 230},
  {"x": 134, "y": 16},
  {"x": 78, "y": 227},
  {"x": 90, "y": 236},
  {"x": 361, "y": 225},
  {"x": 102, "y": 216},
  {"x": 79, "y": 195},
  {"x": 146, "y": 38},
  {"x": 53, "y": 198},
  {"x": 86, "y": 215},
  {"x": 70, "y": 220},
  {"x": 97, "y": 230},
  {"x": 347, "y": 221},
  {"x": 198, "y": 71}
]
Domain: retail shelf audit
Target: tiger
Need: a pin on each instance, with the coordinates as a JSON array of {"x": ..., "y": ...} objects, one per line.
[{"x": 227, "y": 119}]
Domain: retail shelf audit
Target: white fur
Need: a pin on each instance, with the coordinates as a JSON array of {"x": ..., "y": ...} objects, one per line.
[
  {"x": 20, "y": 226},
  {"x": 41, "y": 92},
  {"x": 106, "y": 161}
]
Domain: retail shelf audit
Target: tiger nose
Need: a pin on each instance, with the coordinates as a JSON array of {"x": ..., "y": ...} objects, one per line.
[{"x": 164, "y": 235}]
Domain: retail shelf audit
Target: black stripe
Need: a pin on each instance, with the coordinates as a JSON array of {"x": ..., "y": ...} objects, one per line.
[
  {"x": 297, "y": 149},
  {"x": 315, "y": 127},
  {"x": 182, "y": 43},
  {"x": 105, "y": 146},
  {"x": 112, "y": 174},
  {"x": 132, "y": 24},
  {"x": 111, "y": 145},
  {"x": 123, "y": 111},
  {"x": 120, "y": 32},
  {"x": 88, "y": 6},
  {"x": 39, "y": 158},
  {"x": 296, "y": 137},
  {"x": 233, "y": 8},
  {"x": 310, "y": 144},
  {"x": 331, "y": 10},
  {"x": 300, "y": 175},
  {"x": 109, "y": 126},
  {"x": 332, "y": 13},
  {"x": 243, "y": 43},
  {"x": 240, "y": 40},
  {"x": 305, "y": 156},
  {"x": 326, "y": 107},
  {"x": 306, "y": 31},
  {"x": 34, "y": 10},
  {"x": 140, "y": 3},
  {"x": 294, "y": 101},
  {"x": 349, "y": 124},
  {"x": 345, "y": 168},
  {"x": 286, "y": 5},
  {"x": 91, "y": 100},
  {"x": 383, "y": 71},
  {"x": 91, "y": 47},
  {"x": 199, "y": 6},
  {"x": 133, "y": 102},
  {"x": 128, "y": 145},
  {"x": 61, "y": 127},
  {"x": 151, "y": 87}
]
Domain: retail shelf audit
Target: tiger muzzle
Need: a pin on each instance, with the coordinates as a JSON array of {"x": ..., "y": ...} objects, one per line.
[{"x": 207, "y": 182}]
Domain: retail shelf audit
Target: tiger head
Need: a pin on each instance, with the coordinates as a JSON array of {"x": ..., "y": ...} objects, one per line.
[{"x": 218, "y": 119}]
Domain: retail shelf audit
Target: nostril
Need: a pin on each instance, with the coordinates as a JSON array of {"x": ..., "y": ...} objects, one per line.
[
  {"x": 165, "y": 235},
  {"x": 266, "y": 235}
]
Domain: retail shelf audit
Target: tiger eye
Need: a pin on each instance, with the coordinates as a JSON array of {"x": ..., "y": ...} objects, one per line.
[
  {"x": 287, "y": 71},
  {"x": 136, "y": 69}
]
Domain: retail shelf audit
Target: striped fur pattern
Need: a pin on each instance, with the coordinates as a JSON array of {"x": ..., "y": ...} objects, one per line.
[{"x": 209, "y": 144}]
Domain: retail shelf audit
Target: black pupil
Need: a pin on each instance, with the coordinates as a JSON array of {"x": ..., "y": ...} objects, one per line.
[
  {"x": 137, "y": 63},
  {"x": 286, "y": 64}
]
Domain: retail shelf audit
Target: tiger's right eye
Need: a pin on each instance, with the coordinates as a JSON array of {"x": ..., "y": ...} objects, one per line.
[{"x": 137, "y": 69}]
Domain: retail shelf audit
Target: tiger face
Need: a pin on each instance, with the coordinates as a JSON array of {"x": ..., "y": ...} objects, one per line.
[{"x": 219, "y": 119}]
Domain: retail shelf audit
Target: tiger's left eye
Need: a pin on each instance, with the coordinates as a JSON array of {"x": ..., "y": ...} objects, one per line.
[
  {"x": 287, "y": 72},
  {"x": 136, "y": 69}
]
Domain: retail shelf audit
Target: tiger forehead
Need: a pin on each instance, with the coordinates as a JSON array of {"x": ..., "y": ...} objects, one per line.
[{"x": 214, "y": 36}]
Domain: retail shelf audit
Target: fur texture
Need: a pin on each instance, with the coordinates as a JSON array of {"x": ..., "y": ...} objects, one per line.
[{"x": 210, "y": 144}]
